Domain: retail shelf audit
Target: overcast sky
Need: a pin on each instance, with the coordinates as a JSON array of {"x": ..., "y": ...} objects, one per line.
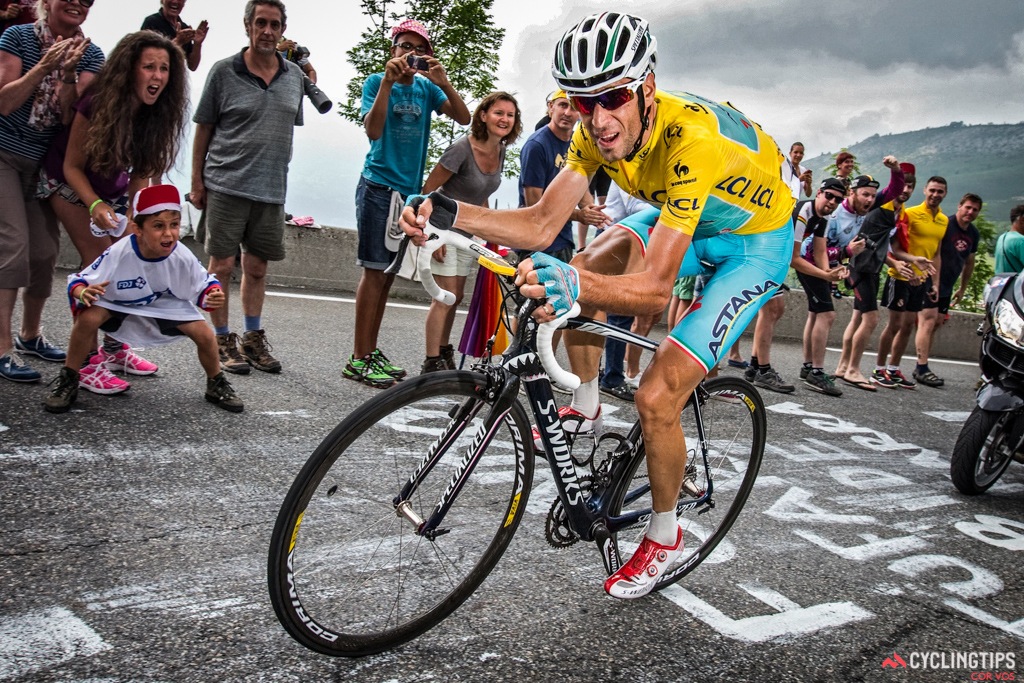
[{"x": 828, "y": 74}]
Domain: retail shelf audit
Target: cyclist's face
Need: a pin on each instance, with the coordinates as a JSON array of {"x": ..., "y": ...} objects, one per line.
[{"x": 616, "y": 131}]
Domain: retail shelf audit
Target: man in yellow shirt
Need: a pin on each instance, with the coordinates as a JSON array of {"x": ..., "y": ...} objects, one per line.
[{"x": 904, "y": 297}]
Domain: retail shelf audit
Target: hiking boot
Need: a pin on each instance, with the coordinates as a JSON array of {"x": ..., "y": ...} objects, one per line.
[
  {"x": 448, "y": 356},
  {"x": 623, "y": 392},
  {"x": 220, "y": 392},
  {"x": 804, "y": 371},
  {"x": 64, "y": 392},
  {"x": 638, "y": 577},
  {"x": 385, "y": 365},
  {"x": 771, "y": 380},
  {"x": 256, "y": 350},
  {"x": 928, "y": 378},
  {"x": 128, "y": 362},
  {"x": 820, "y": 382},
  {"x": 41, "y": 348},
  {"x": 901, "y": 381},
  {"x": 368, "y": 371},
  {"x": 96, "y": 378},
  {"x": 12, "y": 367},
  {"x": 230, "y": 357},
  {"x": 433, "y": 364},
  {"x": 574, "y": 423},
  {"x": 882, "y": 379}
]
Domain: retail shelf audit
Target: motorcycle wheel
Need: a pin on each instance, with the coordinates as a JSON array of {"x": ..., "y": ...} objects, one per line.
[{"x": 981, "y": 453}]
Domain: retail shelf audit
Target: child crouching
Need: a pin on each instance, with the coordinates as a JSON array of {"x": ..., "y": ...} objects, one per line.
[{"x": 155, "y": 287}]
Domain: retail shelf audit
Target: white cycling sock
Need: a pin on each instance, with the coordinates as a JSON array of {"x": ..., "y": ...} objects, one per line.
[
  {"x": 662, "y": 528},
  {"x": 587, "y": 399}
]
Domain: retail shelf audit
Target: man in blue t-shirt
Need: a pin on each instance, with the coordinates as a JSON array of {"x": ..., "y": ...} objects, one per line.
[
  {"x": 396, "y": 109},
  {"x": 540, "y": 160}
]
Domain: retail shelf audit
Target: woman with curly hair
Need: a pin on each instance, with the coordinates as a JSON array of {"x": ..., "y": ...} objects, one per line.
[
  {"x": 470, "y": 171},
  {"x": 127, "y": 130}
]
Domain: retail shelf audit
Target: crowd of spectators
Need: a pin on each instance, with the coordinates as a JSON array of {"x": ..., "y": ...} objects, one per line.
[{"x": 72, "y": 151}]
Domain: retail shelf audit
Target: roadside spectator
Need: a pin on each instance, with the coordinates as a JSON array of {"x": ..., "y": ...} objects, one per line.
[
  {"x": 957, "y": 250},
  {"x": 1010, "y": 245},
  {"x": 878, "y": 227},
  {"x": 41, "y": 76},
  {"x": 599, "y": 187},
  {"x": 168, "y": 22},
  {"x": 16, "y": 12},
  {"x": 904, "y": 296},
  {"x": 129, "y": 121},
  {"x": 845, "y": 165},
  {"x": 810, "y": 218},
  {"x": 796, "y": 176},
  {"x": 298, "y": 54},
  {"x": 167, "y": 283},
  {"x": 245, "y": 123},
  {"x": 469, "y": 171},
  {"x": 396, "y": 109}
]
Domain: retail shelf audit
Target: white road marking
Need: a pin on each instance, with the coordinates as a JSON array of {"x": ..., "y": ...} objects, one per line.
[
  {"x": 41, "y": 640},
  {"x": 948, "y": 415}
]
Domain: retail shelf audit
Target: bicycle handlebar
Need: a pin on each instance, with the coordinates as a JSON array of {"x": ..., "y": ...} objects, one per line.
[{"x": 436, "y": 238}]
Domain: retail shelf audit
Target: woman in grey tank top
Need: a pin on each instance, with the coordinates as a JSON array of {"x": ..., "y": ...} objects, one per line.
[{"x": 469, "y": 171}]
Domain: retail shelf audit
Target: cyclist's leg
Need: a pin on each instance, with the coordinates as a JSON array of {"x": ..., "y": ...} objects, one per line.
[{"x": 617, "y": 251}]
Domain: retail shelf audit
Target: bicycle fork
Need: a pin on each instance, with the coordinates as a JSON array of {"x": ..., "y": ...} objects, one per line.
[{"x": 503, "y": 391}]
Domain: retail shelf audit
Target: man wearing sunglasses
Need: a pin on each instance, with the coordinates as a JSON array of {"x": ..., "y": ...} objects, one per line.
[{"x": 712, "y": 178}]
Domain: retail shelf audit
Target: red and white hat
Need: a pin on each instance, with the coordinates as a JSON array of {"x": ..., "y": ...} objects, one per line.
[
  {"x": 156, "y": 198},
  {"x": 412, "y": 26}
]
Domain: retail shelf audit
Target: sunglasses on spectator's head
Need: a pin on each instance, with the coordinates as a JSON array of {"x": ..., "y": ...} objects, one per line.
[
  {"x": 610, "y": 100},
  {"x": 84, "y": 3}
]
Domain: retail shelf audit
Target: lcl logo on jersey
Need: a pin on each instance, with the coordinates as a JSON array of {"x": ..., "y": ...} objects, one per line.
[
  {"x": 740, "y": 187},
  {"x": 137, "y": 283}
]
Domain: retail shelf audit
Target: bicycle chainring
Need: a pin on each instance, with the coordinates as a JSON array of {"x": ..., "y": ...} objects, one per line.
[{"x": 556, "y": 527}]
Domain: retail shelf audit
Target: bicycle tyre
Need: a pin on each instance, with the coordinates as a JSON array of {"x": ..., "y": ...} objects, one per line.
[
  {"x": 735, "y": 423},
  {"x": 347, "y": 575}
]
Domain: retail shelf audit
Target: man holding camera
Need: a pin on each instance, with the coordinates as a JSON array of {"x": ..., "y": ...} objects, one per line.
[
  {"x": 244, "y": 127},
  {"x": 396, "y": 108}
]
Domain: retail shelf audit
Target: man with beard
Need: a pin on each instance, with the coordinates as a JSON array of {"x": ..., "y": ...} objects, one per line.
[{"x": 958, "y": 248}]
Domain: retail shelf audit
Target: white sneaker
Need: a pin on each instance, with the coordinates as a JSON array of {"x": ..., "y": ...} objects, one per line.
[
  {"x": 96, "y": 378},
  {"x": 634, "y": 381},
  {"x": 574, "y": 423},
  {"x": 638, "y": 577}
]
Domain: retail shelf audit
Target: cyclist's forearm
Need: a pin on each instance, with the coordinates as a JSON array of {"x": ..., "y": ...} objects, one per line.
[{"x": 526, "y": 228}]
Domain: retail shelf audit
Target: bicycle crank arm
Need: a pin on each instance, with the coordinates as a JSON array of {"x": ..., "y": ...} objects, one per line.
[{"x": 609, "y": 550}]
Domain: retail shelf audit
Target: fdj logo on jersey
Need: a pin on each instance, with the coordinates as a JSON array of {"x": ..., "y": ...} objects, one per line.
[
  {"x": 738, "y": 186},
  {"x": 137, "y": 283}
]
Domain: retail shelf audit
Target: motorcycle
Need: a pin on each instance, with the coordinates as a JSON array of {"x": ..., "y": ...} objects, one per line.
[{"x": 993, "y": 434}]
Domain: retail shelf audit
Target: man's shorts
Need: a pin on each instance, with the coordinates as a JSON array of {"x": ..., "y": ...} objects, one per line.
[
  {"x": 564, "y": 254},
  {"x": 683, "y": 288},
  {"x": 168, "y": 328},
  {"x": 819, "y": 293},
  {"x": 942, "y": 304},
  {"x": 865, "y": 291},
  {"x": 900, "y": 296},
  {"x": 373, "y": 213},
  {"x": 230, "y": 221}
]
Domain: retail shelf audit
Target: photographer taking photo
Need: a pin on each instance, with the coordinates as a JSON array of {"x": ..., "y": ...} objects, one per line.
[{"x": 294, "y": 52}]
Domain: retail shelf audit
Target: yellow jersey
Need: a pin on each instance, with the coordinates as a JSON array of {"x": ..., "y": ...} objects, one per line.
[
  {"x": 708, "y": 167},
  {"x": 924, "y": 233}
]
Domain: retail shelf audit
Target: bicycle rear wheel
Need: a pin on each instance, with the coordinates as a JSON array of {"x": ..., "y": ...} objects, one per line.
[
  {"x": 350, "y": 576},
  {"x": 734, "y": 420}
]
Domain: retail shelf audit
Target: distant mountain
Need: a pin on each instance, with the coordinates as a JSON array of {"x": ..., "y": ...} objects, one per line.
[{"x": 987, "y": 160}]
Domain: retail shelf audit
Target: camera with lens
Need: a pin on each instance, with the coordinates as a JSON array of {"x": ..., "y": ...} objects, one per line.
[
  {"x": 317, "y": 97},
  {"x": 298, "y": 52},
  {"x": 418, "y": 63}
]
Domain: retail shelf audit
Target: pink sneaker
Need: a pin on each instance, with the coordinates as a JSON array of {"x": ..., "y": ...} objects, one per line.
[
  {"x": 96, "y": 378},
  {"x": 128, "y": 361},
  {"x": 574, "y": 423},
  {"x": 638, "y": 577}
]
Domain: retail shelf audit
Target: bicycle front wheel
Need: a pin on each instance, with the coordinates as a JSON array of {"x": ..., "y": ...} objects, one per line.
[
  {"x": 734, "y": 426},
  {"x": 348, "y": 572}
]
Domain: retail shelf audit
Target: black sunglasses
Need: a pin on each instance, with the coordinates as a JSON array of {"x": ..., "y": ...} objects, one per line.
[
  {"x": 833, "y": 197},
  {"x": 84, "y": 3}
]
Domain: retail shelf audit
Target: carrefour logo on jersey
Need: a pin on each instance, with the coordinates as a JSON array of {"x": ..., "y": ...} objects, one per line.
[
  {"x": 137, "y": 283},
  {"x": 738, "y": 186}
]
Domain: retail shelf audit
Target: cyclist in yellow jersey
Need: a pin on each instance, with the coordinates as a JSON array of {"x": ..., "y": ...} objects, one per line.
[{"x": 713, "y": 179}]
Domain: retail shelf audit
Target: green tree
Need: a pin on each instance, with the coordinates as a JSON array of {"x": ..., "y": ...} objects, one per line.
[
  {"x": 984, "y": 265},
  {"x": 465, "y": 41}
]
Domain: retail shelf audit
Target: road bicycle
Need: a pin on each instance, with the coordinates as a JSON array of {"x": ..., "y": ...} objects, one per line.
[{"x": 407, "y": 505}]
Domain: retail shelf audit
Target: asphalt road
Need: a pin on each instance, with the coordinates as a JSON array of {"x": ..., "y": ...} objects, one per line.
[{"x": 136, "y": 528}]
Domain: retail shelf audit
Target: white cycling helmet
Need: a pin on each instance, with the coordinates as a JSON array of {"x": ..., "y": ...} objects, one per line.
[{"x": 602, "y": 49}]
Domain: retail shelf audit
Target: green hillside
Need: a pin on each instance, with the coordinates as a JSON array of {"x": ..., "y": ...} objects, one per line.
[{"x": 985, "y": 159}]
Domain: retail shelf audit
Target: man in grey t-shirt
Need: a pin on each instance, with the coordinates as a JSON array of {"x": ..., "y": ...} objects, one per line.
[{"x": 244, "y": 126}]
